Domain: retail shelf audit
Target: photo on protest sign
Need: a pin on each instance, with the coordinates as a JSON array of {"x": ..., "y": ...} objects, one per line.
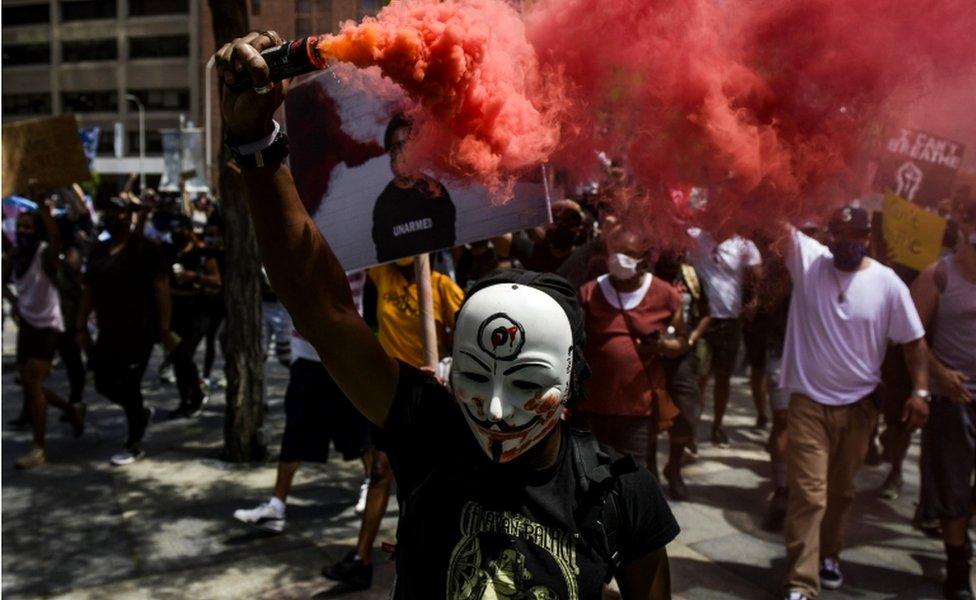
[
  {"x": 919, "y": 166},
  {"x": 345, "y": 130}
]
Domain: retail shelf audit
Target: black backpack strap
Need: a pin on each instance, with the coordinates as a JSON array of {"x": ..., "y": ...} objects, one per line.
[{"x": 598, "y": 513}]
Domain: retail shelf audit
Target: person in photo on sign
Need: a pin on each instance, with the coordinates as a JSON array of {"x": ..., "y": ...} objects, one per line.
[
  {"x": 945, "y": 294},
  {"x": 844, "y": 310},
  {"x": 40, "y": 324},
  {"x": 497, "y": 494},
  {"x": 414, "y": 214}
]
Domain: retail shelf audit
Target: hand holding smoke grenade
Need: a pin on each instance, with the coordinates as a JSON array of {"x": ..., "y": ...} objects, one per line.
[{"x": 286, "y": 60}]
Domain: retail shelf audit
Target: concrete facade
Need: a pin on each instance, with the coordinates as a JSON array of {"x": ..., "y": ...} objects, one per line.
[{"x": 84, "y": 56}]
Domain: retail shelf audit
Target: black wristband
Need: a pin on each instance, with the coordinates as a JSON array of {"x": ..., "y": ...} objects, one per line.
[{"x": 272, "y": 155}]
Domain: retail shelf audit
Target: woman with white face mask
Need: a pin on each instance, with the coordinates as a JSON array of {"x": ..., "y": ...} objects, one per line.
[
  {"x": 498, "y": 497},
  {"x": 633, "y": 322}
]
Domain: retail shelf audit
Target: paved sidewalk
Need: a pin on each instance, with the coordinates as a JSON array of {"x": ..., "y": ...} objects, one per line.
[{"x": 162, "y": 528}]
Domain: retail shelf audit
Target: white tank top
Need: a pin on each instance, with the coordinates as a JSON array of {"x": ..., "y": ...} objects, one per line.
[{"x": 37, "y": 297}]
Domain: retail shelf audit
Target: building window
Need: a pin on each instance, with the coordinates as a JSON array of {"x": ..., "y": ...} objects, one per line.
[
  {"x": 106, "y": 141},
  {"x": 148, "y": 8},
  {"x": 26, "y": 54},
  {"x": 154, "y": 142},
  {"x": 26, "y": 14},
  {"x": 172, "y": 99},
  {"x": 86, "y": 10},
  {"x": 313, "y": 17},
  {"x": 89, "y": 50},
  {"x": 159, "y": 46},
  {"x": 26, "y": 104},
  {"x": 255, "y": 7},
  {"x": 90, "y": 101}
]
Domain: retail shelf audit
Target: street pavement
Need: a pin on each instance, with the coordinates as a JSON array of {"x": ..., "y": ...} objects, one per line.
[{"x": 162, "y": 528}]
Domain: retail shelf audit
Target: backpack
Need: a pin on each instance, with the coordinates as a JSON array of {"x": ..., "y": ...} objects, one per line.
[{"x": 599, "y": 516}]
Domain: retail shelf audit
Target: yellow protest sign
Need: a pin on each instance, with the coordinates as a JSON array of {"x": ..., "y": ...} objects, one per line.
[{"x": 913, "y": 235}]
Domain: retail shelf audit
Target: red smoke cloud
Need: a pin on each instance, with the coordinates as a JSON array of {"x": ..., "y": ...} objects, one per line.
[
  {"x": 484, "y": 110},
  {"x": 770, "y": 104}
]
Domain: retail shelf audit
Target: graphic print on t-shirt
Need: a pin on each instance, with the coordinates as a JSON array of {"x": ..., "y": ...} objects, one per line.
[{"x": 497, "y": 555}]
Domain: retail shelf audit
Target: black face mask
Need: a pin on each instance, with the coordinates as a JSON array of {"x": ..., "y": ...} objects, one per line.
[
  {"x": 562, "y": 239},
  {"x": 848, "y": 255},
  {"x": 179, "y": 238}
]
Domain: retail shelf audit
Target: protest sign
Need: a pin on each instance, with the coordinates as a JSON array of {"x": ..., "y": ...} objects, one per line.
[
  {"x": 919, "y": 166},
  {"x": 337, "y": 124},
  {"x": 913, "y": 235},
  {"x": 42, "y": 153}
]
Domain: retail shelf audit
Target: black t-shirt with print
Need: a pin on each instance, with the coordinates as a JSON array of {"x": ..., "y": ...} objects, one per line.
[
  {"x": 471, "y": 529},
  {"x": 411, "y": 221}
]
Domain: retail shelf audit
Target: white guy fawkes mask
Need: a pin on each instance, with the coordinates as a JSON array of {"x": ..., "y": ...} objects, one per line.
[{"x": 511, "y": 368}]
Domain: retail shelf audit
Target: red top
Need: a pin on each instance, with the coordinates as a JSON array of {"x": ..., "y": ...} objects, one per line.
[{"x": 620, "y": 384}]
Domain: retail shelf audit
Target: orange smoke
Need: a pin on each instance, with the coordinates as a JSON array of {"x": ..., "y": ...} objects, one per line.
[{"x": 482, "y": 108}]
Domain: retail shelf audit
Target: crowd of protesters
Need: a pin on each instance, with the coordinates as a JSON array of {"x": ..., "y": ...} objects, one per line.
[
  {"x": 135, "y": 270},
  {"x": 833, "y": 339}
]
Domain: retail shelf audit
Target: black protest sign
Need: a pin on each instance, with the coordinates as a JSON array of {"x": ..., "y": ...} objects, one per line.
[{"x": 918, "y": 165}]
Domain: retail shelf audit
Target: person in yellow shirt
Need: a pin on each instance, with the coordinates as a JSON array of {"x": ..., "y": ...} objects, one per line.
[
  {"x": 400, "y": 334},
  {"x": 398, "y": 312}
]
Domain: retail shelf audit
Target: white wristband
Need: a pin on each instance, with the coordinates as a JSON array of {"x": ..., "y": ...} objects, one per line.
[{"x": 261, "y": 144}]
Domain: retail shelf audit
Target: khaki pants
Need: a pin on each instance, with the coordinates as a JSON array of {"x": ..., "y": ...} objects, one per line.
[{"x": 826, "y": 447}]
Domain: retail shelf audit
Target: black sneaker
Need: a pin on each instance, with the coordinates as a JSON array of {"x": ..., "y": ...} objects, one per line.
[
  {"x": 677, "y": 488},
  {"x": 22, "y": 420},
  {"x": 830, "y": 576},
  {"x": 351, "y": 572},
  {"x": 957, "y": 585},
  {"x": 873, "y": 458},
  {"x": 776, "y": 513},
  {"x": 719, "y": 438},
  {"x": 181, "y": 412}
]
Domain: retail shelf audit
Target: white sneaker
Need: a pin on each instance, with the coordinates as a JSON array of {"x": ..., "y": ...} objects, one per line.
[
  {"x": 167, "y": 376},
  {"x": 127, "y": 457},
  {"x": 361, "y": 503},
  {"x": 264, "y": 516}
]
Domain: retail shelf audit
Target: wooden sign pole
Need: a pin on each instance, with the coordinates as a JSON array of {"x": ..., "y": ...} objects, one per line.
[{"x": 425, "y": 301}]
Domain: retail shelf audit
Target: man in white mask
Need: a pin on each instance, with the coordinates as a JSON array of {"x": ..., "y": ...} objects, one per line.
[{"x": 498, "y": 497}]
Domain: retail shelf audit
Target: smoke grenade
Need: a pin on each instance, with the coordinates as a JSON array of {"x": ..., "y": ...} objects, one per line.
[{"x": 286, "y": 60}]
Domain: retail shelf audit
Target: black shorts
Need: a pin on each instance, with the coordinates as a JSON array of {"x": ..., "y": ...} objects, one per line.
[
  {"x": 723, "y": 338},
  {"x": 685, "y": 391},
  {"x": 35, "y": 343},
  {"x": 755, "y": 336},
  {"x": 317, "y": 413},
  {"x": 948, "y": 460}
]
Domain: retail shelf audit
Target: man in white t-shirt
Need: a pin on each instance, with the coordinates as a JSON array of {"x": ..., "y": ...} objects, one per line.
[
  {"x": 725, "y": 269},
  {"x": 844, "y": 310}
]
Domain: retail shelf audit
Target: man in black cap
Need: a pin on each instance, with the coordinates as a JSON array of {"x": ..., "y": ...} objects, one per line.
[
  {"x": 844, "y": 310},
  {"x": 499, "y": 498}
]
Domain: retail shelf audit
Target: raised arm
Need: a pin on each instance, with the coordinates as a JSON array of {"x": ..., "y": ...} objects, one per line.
[
  {"x": 302, "y": 268},
  {"x": 52, "y": 253}
]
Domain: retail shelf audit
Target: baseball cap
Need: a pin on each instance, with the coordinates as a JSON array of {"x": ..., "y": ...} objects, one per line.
[{"x": 849, "y": 218}]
